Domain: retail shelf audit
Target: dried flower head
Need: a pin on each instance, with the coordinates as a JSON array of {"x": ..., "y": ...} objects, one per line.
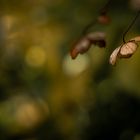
[{"x": 97, "y": 38}]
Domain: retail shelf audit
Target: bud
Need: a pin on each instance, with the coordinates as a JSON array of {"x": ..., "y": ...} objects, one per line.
[{"x": 114, "y": 56}]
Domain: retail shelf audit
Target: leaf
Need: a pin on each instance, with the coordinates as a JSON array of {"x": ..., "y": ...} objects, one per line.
[
  {"x": 85, "y": 42},
  {"x": 103, "y": 19},
  {"x": 97, "y": 38},
  {"x": 114, "y": 56},
  {"x": 124, "y": 51},
  {"x": 80, "y": 46}
]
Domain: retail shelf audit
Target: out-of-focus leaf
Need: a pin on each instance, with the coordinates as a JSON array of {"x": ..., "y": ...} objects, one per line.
[
  {"x": 83, "y": 45},
  {"x": 124, "y": 51}
]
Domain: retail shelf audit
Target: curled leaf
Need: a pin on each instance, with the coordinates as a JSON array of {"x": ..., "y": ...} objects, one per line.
[
  {"x": 124, "y": 51},
  {"x": 97, "y": 38},
  {"x": 114, "y": 56},
  {"x": 103, "y": 19},
  {"x": 80, "y": 46},
  {"x": 128, "y": 49},
  {"x": 84, "y": 43}
]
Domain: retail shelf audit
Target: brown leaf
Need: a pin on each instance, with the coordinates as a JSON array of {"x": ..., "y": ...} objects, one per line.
[
  {"x": 84, "y": 43},
  {"x": 128, "y": 49},
  {"x": 97, "y": 38},
  {"x": 81, "y": 46},
  {"x": 124, "y": 51}
]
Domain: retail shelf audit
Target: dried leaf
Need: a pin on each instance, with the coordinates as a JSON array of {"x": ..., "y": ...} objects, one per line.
[
  {"x": 97, "y": 38},
  {"x": 114, "y": 56},
  {"x": 83, "y": 45},
  {"x": 80, "y": 46},
  {"x": 124, "y": 51},
  {"x": 128, "y": 49}
]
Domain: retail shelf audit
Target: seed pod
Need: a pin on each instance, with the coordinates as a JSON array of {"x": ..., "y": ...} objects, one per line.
[{"x": 124, "y": 51}]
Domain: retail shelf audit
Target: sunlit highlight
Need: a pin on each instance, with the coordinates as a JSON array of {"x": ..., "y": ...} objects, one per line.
[
  {"x": 35, "y": 56},
  {"x": 75, "y": 67}
]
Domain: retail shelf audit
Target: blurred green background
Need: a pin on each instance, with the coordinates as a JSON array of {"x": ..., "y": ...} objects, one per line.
[{"x": 44, "y": 94}]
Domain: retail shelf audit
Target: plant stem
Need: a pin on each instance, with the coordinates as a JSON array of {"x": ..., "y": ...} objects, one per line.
[
  {"x": 129, "y": 27},
  {"x": 92, "y": 23}
]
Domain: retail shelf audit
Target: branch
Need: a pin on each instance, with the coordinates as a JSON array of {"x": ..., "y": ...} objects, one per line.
[{"x": 102, "y": 11}]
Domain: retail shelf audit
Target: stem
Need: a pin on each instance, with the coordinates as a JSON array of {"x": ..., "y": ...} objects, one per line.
[
  {"x": 129, "y": 27},
  {"x": 92, "y": 23},
  {"x": 105, "y": 8}
]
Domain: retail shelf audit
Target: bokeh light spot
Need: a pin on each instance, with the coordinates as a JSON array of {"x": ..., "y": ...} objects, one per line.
[
  {"x": 77, "y": 66},
  {"x": 35, "y": 56}
]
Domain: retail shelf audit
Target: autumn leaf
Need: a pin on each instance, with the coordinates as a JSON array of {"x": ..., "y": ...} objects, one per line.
[
  {"x": 97, "y": 38},
  {"x": 81, "y": 46},
  {"x": 103, "y": 19},
  {"x": 114, "y": 56},
  {"x": 85, "y": 42},
  {"x": 124, "y": 51}
]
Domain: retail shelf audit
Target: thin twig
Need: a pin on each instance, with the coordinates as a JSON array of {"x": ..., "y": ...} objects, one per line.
[
  {"x": 129, "y": 27},
  {"x": 92, "y": 23}
]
